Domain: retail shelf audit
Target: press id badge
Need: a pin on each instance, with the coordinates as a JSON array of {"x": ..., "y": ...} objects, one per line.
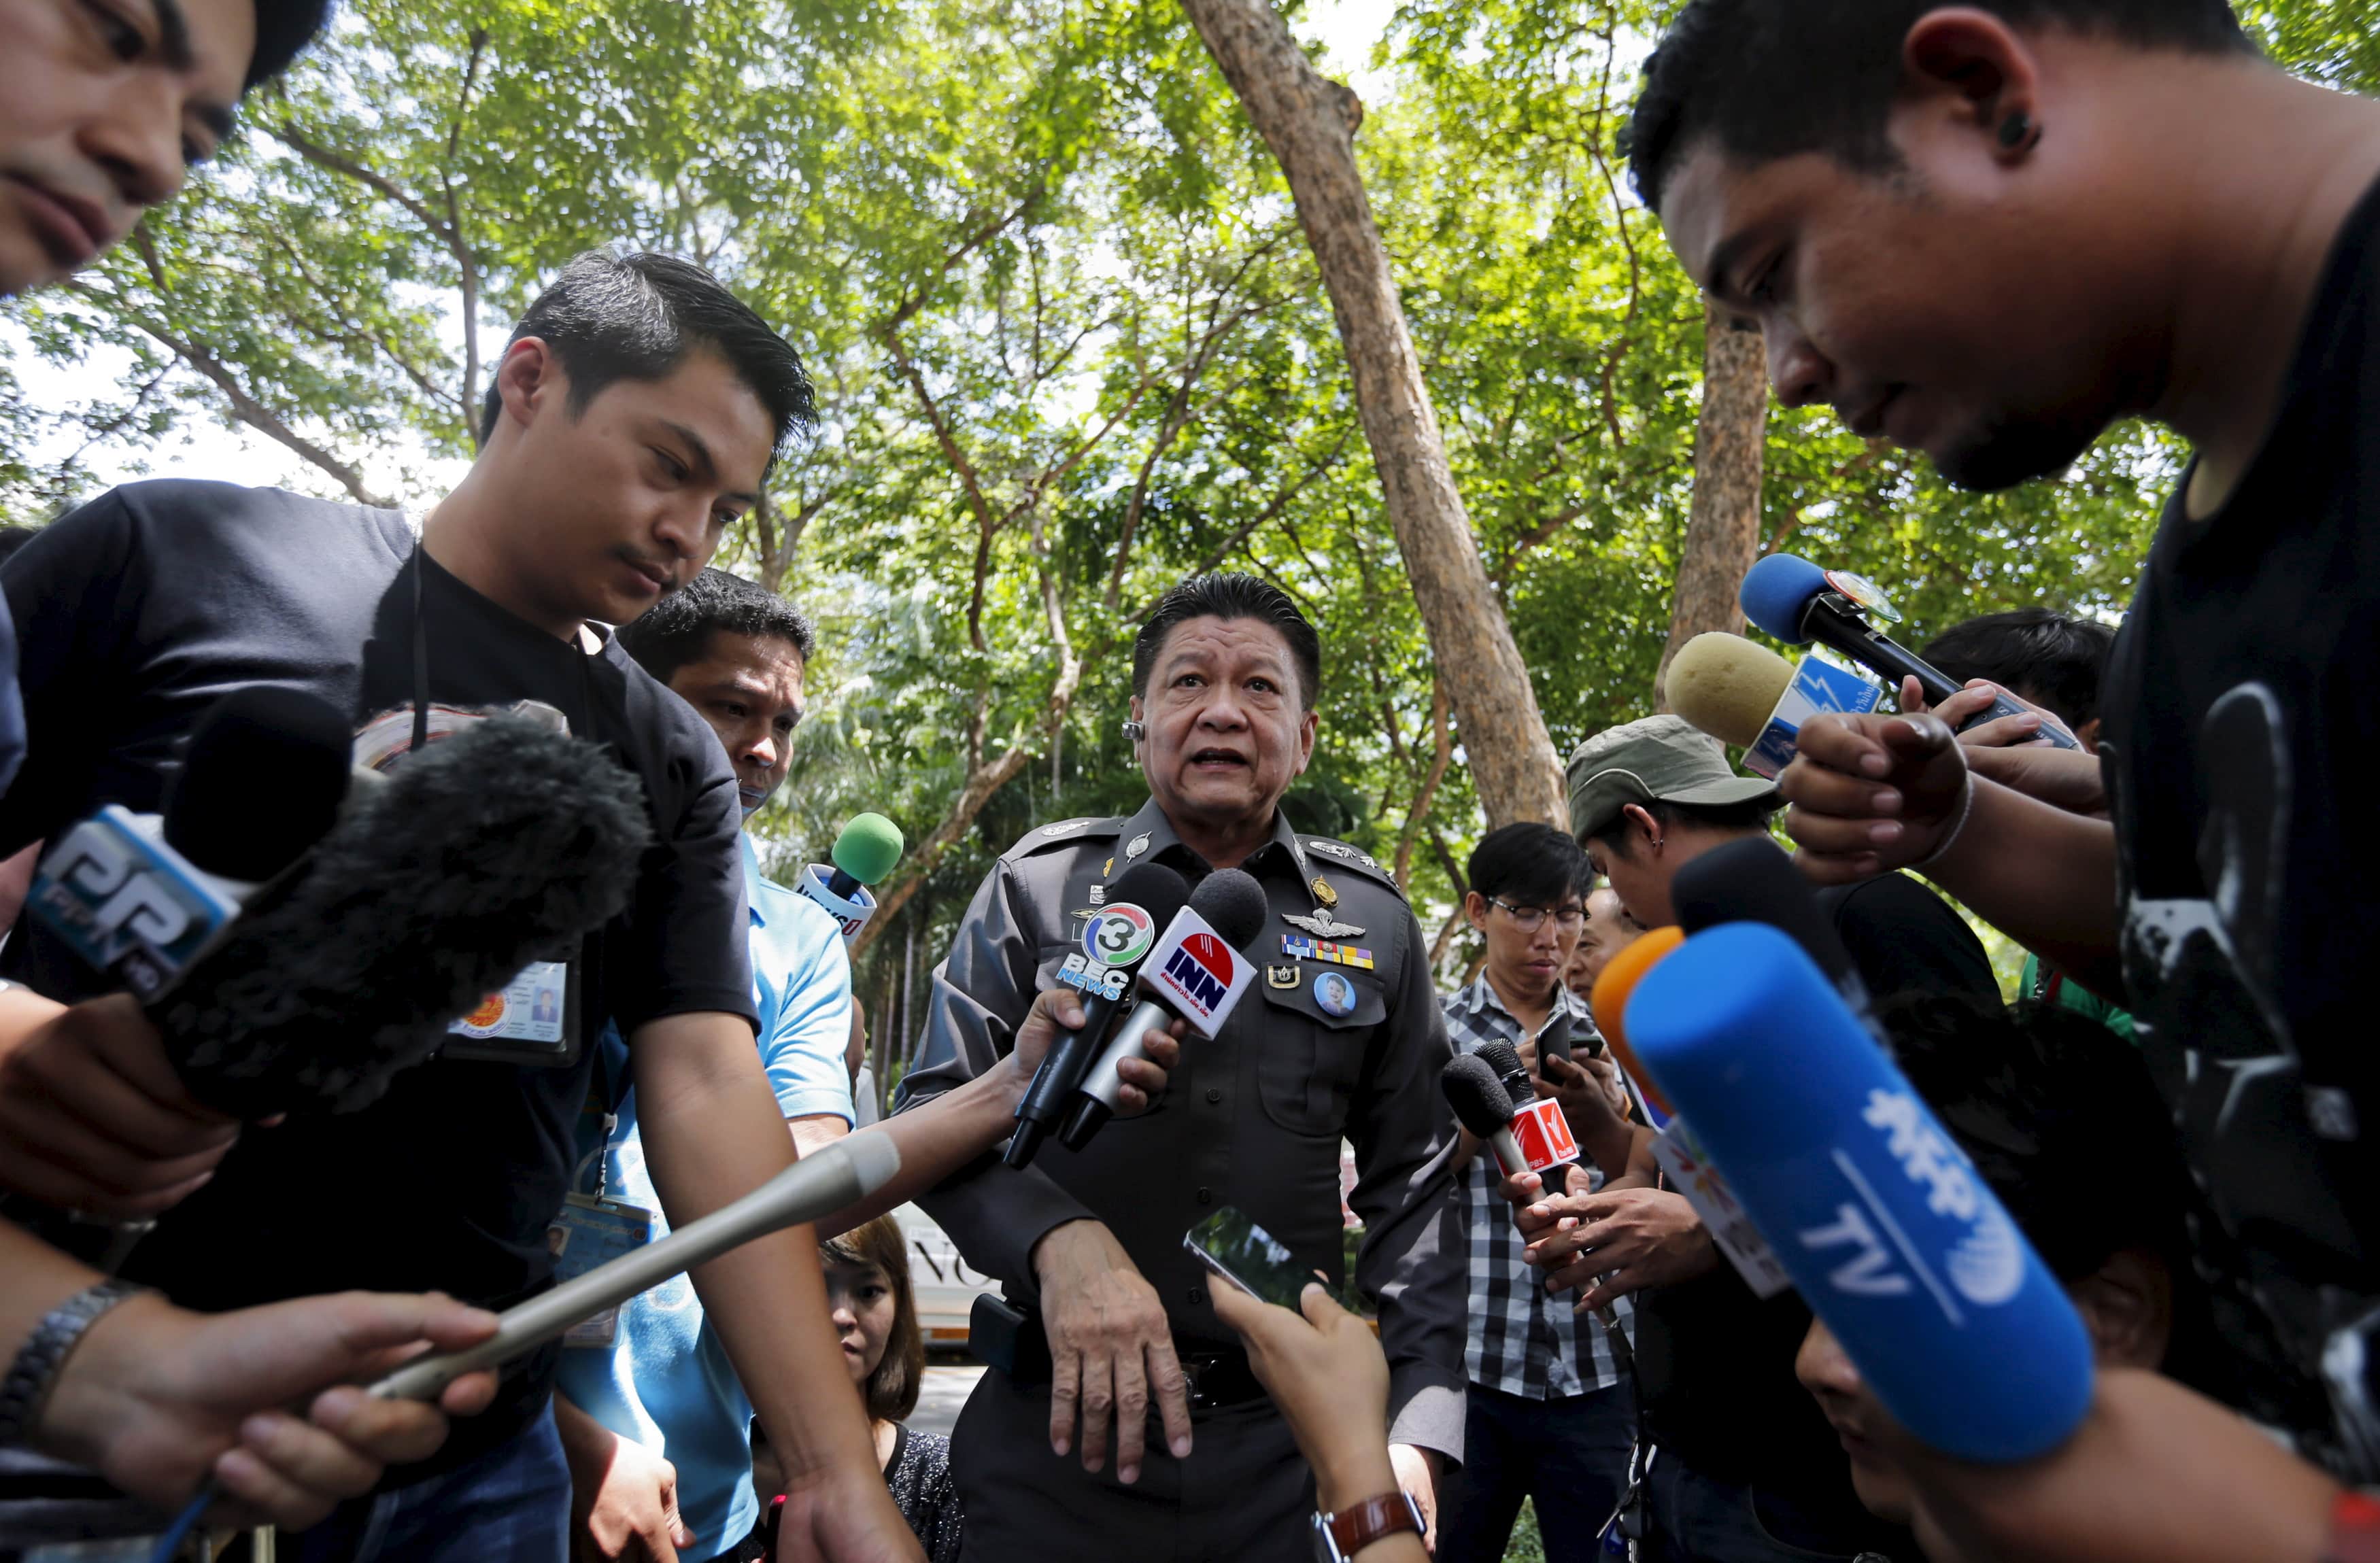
[
  {"x": 588, "y": 1232},
  {"x": 531, "y": 1020}
]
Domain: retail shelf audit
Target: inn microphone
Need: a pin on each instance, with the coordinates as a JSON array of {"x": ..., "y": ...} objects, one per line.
[{"x": 1197, "y": 972}]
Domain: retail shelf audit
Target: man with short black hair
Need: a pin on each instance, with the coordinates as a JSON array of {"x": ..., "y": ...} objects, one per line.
[
  {"x": 1748, "y": 1472},
  {"x": 1339, "y": 1036},
  {"x": 1548, "y": 1418},
  {"x": 105, "y": 108},
  {"x": 2039, "y": 655},
  {"x": 1988, "y": 232},
  {"x": 623, "y": 448}
]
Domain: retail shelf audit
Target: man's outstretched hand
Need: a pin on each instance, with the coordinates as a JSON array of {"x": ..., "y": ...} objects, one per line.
[
  {"x": 1871, "y": 794},
  {"x": 159, "y": 1398}
]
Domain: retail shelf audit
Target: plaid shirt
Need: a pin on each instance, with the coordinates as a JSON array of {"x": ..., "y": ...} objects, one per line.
[{"x": 1522, "y": 1341}]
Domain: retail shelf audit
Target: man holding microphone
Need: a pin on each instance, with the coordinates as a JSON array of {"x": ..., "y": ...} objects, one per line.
[{"x": 1340, "y": 1036}]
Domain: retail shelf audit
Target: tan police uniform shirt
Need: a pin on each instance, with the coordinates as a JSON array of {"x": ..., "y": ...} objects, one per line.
[{"x": 1340, "y": 1035}]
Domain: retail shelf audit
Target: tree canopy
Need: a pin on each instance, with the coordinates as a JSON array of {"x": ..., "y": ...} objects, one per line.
[{"x": 1070, "y": 347}]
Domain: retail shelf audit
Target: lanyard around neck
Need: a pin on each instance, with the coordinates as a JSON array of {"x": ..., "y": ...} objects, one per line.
[{"x": 420, "y": 660}]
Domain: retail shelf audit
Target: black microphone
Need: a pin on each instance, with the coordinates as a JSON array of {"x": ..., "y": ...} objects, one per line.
[
  {"x": 1753, "y": 882},
  {"x": 1536, "y": 1124},
  {"x": 502, "y": 843},
  {"x": 1483, "y": 1106},
  {"x": 1197, "y": 972},
  {"x": 1797, "y": 602},
  {"x": 141, "y": 896},
  {"x": 1116, "y": 938}
]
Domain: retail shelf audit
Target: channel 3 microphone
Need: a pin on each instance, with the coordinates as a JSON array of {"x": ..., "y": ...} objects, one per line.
[
  {"x": 1792, "y": 599},
  {"x": 499, "y": 844},
  {"x": 1116, "y": 938},
  {"x": 1197, "y": 971},
  {"x": 864, "y": 856},
  {"x": 1882, "y": 1221},
  {"x": 138, "y": 896}
]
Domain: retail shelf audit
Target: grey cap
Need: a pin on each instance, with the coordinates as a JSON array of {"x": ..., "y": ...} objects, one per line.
[{"x": 1661, "y": 758}]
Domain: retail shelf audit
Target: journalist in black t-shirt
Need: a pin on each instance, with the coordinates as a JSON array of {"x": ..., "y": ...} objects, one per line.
[
  {"x": 1748, "y": 1470},
  {"x": 633, "y": 415},
  {"x": 1989, "y": 233}
]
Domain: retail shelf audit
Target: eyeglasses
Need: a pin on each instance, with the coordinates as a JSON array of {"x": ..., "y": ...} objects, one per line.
[{"x": 1529, "y": 919}]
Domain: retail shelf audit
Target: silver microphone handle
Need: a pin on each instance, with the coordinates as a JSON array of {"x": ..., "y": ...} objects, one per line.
[
  {"x": 1100, "y": 1082},
  {"x": 819, "y": 1184}
]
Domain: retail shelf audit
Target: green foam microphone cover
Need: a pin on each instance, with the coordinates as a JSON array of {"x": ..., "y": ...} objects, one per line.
[{"x": 868, "y": 847}]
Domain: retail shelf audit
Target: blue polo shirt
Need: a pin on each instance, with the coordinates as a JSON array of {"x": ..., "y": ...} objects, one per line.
[{"x": 666, "y": 1381}]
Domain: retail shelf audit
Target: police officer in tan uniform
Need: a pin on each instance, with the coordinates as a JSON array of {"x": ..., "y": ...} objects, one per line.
[{"x": 1144, "y": 1436}]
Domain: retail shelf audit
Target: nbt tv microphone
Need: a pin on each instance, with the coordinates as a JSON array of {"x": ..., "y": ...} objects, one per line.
[
  {"x": 1884, "y": 1224},
  {"x": 864, "y": 856}
]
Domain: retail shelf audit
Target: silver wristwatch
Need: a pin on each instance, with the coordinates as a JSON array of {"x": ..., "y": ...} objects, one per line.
[{"x": 35, "y": 1369}]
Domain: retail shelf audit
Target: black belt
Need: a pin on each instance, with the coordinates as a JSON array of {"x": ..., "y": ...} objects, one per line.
[{"x": 1220, "y": 1379}]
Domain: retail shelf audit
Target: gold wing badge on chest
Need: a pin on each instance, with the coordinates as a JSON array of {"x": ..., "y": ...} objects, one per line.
[{"x": 1323, "y": 925}]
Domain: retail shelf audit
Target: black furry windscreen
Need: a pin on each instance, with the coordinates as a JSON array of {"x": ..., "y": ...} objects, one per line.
[{"x": 505, "y": 843}]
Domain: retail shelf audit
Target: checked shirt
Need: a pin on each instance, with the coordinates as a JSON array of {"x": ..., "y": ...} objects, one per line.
[{"x": 1522, "y": 1341}]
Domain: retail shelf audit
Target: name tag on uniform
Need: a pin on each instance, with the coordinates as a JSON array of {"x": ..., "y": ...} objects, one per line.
[
  {"x": 592, "y": 1232},
  {"x": 531, "y": 1020}
]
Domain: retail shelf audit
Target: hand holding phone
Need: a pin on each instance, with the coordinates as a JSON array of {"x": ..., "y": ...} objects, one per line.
[{"x": 1233, "y": 1247}]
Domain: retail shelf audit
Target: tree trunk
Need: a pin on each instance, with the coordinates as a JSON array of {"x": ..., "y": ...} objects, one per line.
[
  {"x": 1723, "y": 527},
  {"x": 1309, "y": 122}
]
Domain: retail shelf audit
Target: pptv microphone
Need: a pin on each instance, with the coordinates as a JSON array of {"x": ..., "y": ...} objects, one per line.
[
  {"x": 1115, "y": 940},
  {"x": 1883, "y": 1223},
  {"x": 1539, "y": 1131},
  {"x": 502, "y": 843},
  {"x": 141, "y": 896},
  {"x": 1196, "y": 972},
  {"x": 864, "y": 856},
  {"x": 1793, "y": 600}
]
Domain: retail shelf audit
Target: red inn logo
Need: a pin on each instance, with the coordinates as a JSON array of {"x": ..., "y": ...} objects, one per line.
[{"x": 1202, "y": 971}]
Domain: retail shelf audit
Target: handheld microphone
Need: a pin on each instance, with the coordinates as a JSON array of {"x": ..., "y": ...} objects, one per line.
[
  {"x": 1484, "y": 1107},
  {"x": 1610, "y": 1003},
  {"x": 503, "y": 843},
  {"x": 1753, "y": 882},
  {"x": 864, "y": 855},
  {"x": 1877, "y": 1215},
  {"x": 141, "y": 896},
  {"x": 816, "y": 1186},
  {"x": 1539, "y": 1131},
  {"x": 1116, "y": 938},
  {"x": 1196, "y": 972},
  {"x": 1792, "y": 599},
  {"x": 1741, "y": 693}
]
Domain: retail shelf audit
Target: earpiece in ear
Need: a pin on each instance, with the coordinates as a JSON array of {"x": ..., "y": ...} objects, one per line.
[
  {"x": 1134, "y": 731},
  {"x": 2014, "y": 129}
]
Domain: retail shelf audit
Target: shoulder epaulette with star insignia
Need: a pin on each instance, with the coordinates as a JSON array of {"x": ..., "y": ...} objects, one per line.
[
  {"x": 1042, "y": 837},
  {"x": 1339, "y": 854}
]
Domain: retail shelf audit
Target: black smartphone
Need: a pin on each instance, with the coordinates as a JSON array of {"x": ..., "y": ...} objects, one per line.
[{"x": 1243, "y": 1253}]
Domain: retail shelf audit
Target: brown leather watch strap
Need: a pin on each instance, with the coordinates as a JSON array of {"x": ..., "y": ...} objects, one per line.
[{"x": 1360, "y": 1525}]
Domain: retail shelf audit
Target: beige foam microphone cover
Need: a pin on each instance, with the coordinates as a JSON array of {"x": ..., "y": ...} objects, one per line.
[{"x": 1727, "y": 685}]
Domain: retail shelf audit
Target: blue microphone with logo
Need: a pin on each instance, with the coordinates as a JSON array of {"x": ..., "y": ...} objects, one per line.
[
  {"x": 1794, "y": 600},
  {"x": 1893, "y": 1237}
]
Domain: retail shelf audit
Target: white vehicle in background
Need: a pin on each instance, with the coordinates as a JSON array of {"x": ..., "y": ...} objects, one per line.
[{"x": 946, "y": 1286}]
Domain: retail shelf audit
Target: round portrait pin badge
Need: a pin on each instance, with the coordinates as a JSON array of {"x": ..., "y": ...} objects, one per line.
[{"x": 1335, "y": 994}]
